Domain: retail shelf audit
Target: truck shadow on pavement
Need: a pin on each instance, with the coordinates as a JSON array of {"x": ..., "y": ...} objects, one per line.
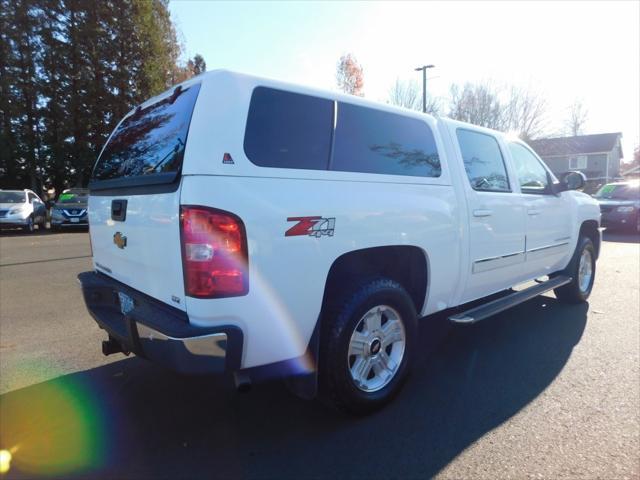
[{"x": 150, "y": 423}]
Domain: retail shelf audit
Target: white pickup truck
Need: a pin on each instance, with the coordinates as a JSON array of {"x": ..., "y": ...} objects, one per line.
[{"x": 252, "y": 226}]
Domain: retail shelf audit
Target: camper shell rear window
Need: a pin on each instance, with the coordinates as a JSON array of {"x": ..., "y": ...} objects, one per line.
[{"x": 148, "y": 146}]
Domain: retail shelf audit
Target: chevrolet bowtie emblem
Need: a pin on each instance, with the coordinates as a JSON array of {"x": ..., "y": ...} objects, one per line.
[{"x": 120, "y": 240}]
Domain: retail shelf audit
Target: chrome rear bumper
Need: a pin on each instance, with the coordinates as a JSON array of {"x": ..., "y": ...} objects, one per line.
[{"x": 159, "y": 332}]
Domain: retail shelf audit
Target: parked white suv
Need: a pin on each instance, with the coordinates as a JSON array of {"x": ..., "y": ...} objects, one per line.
[
  {"x": 254, "y": 226},
  {"x": 22, "y": 208}
]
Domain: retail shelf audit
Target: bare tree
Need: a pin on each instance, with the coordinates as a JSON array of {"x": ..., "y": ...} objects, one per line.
[
  {"x": 350, "y": 75},
  {"x": 486, "y": 104},
  {"x": 577, "y": 118},
  {"x": 526, "y": 113},
  {"x": 408, "y": 94},
  {"x": 404, "y": 94},
  {"x": 478, "y": 104}
]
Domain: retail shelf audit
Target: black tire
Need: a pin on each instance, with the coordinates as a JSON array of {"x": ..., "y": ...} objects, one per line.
[
  {"x": 29, "y": 226},
  {"x": 337, "y": 386},
  {"x": 571, "y": 292}
]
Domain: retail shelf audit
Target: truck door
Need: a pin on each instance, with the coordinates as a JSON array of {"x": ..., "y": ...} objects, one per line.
[
  {"x": 496, "y": 214},
  {"x": 548, "y": 218}
]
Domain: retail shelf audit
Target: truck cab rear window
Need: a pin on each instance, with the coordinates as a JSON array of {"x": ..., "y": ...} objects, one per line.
[
  {"x": 288, "y": 130},
  {"x": 150, "y": 142}
]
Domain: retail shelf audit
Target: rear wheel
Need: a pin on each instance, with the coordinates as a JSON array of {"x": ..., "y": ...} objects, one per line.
[
  {"x": 582, "y": 270},
  {"x": 366, "y": 347}
]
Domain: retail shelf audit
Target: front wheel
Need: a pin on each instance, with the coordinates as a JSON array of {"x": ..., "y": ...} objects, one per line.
[
  {"x": 582, "y": 270},
  {"x": 366, "y": 346},
  {"x": 29, "y": 226}
]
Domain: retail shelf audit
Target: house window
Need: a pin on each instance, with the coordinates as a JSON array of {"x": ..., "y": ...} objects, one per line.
[{"x": 578, "y": 163}]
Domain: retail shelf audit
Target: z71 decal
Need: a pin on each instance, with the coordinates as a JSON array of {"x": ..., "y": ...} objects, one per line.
[{"x": 311, "y": 226}]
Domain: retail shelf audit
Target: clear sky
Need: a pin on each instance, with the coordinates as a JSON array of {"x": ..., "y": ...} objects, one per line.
[{"x": 588, "y": 51}]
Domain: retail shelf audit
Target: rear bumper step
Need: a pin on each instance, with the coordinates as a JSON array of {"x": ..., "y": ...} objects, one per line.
[
  {"x": 158, "y": 332},
  {"x": 496, "y": 306}
]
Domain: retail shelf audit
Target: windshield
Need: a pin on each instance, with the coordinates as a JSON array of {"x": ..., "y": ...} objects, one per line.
[
  {"x": 72, "y": 198},
  {"x": 12, "y": 197},
  {"x": 151, "y": 140},
  {"x": 619, "y": 192},
  {"x": 77, "y": 191}
]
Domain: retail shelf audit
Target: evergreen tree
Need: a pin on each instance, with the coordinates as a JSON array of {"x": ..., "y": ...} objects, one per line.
[
  {"x": 8, "y": 95},
  {"x": 23, "y": 119},
  {"x": 69, "y": 71}
]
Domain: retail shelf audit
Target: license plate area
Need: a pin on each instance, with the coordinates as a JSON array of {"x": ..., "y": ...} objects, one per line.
[
  {"x": 75, "y": 220},
  {"x": 127, "y": 303}
]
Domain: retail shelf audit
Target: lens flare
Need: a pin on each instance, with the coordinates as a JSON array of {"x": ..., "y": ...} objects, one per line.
[
  {"x": 278, "y": 313},
  {"x": 5, "y": 461},
  {"x": 53, "y": 428}
]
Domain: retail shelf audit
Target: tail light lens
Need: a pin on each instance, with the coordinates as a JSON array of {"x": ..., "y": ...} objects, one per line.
[{"x": 214, "y": 253}]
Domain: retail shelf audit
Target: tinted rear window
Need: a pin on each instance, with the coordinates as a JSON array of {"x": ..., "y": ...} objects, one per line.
[
  {"x": 288, "y": 130},
  {"x": 150, "y": 143},
  {"x": 374, "y": 141}
]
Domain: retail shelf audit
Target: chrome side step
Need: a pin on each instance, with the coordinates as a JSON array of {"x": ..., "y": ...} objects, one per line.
[{"x": 496, "y": 306}]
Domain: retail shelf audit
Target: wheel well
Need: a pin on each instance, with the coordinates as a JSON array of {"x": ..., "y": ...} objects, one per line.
[
  {"x": 405, "y": 264},
  {"x": 589, "y": 229}
]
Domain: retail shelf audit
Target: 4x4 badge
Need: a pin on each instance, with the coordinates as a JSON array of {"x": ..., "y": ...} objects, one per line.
[
  {"x": 312, "y": 226},
  {"x": 120, "y": 240}
]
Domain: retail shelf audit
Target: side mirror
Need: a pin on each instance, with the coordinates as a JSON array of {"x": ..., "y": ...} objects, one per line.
[{"x": 574, "y": 181}]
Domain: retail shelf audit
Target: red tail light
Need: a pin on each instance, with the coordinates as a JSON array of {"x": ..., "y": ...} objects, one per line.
[{"x": 214, "y": 253}]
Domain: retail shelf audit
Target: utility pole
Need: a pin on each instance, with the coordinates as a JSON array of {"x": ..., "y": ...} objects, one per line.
[{"x": 424, "y": 85}]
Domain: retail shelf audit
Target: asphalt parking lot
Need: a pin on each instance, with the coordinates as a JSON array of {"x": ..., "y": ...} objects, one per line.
[{"x": 545, "y": 390}]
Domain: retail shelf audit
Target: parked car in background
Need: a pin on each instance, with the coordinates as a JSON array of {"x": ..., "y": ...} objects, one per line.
[
  {"x": 23, "y": 209},
  {"x": 70, "y": 210},
  {"x": 620, "y": 205}
]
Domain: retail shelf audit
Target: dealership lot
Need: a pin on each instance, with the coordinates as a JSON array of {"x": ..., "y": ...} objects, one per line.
[{"x": 544, "y": 389}]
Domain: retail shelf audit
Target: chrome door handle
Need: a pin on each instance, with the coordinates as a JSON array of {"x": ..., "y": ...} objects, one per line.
[
  {"x": 482, "y": 213},
  {"x": 533, "y": 211}
]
